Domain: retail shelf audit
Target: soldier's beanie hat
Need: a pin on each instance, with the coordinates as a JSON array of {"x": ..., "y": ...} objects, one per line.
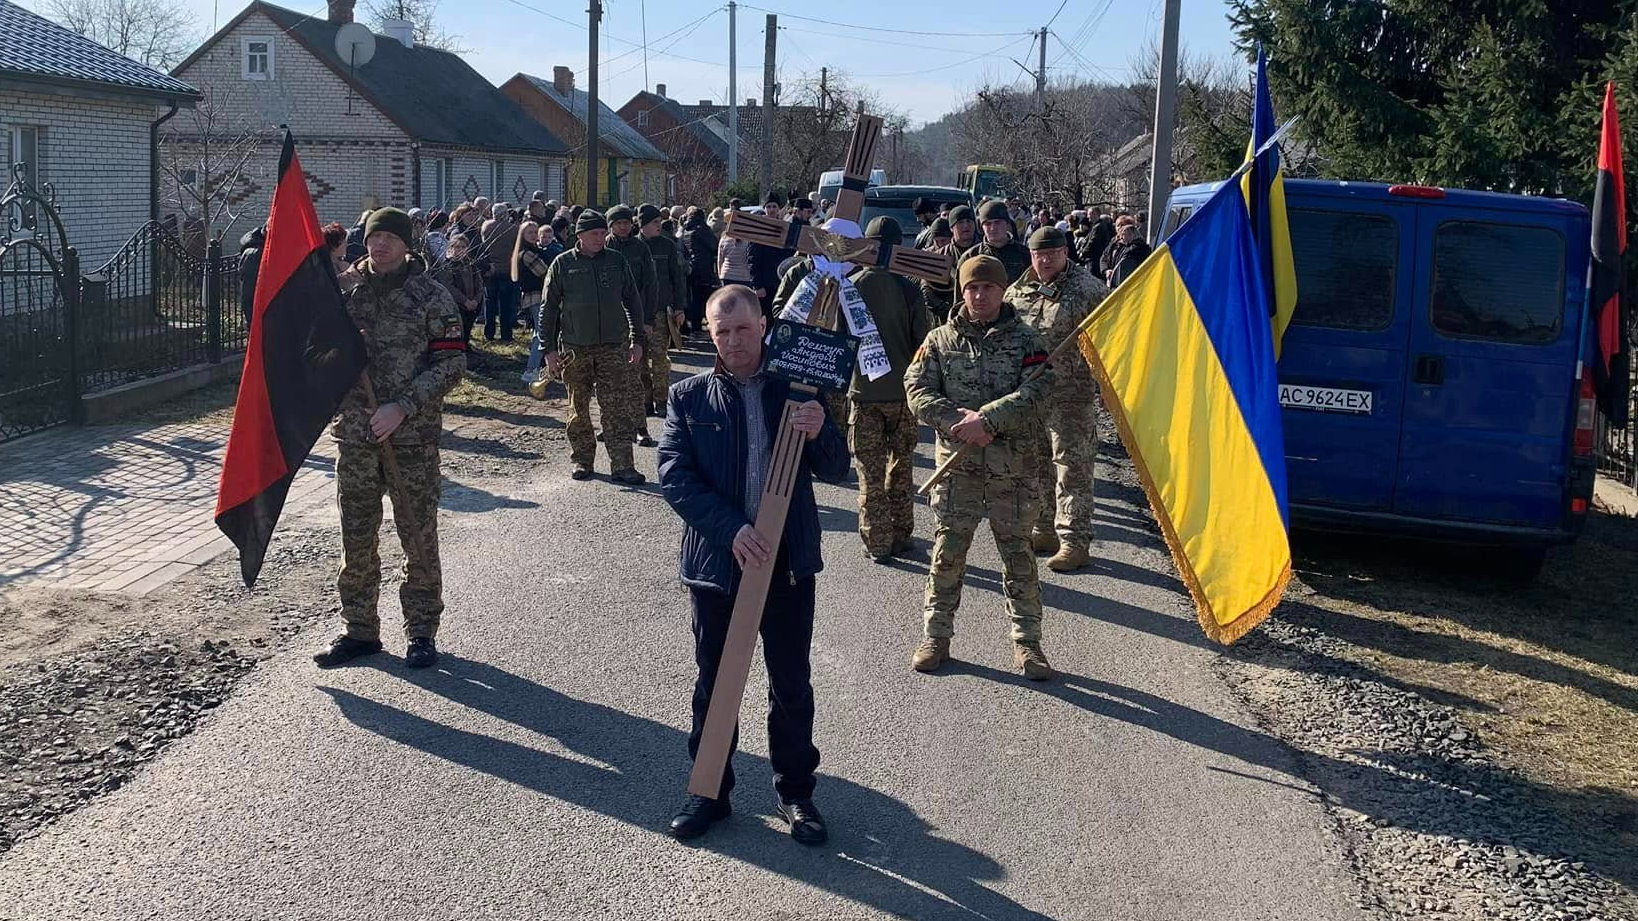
[
  {"x": 803, "y": 203},
  {"x": 885, "y": 229},
  {"x": 960, "y": 213},
  {"x": 540, "y": 195},
  {"x": 1048, "y": 238},
  {"x": 590, "y": 220},
  {"x": 922, "y": 206},
  {"x": 993, "y": 210},
  {"x": 393, "y": 221},
  {"x": 941, "y": 228},
  {"x": 983, "y": 268},
  {"x": 619, "y": 213},
  {"x": 646, "y": 213}
]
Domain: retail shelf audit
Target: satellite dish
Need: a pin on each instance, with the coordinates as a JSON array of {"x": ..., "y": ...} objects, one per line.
[{"x": 355, "y": 44}]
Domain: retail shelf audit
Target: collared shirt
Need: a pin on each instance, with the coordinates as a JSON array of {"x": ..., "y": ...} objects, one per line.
[{"x": 757, "y": 447}]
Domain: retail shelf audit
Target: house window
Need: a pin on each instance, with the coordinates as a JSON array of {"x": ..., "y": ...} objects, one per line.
[
  {"x": 258, "y": 58},
  {"x": 642, "y": 119},
  {"x": 26, "y": 146}
]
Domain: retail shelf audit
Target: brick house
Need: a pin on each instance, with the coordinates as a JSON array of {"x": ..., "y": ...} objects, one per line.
[
  {"x": 413, "y": 126},
  {"x": 632, "y": 170},
  {"x": 698, "y": 147},
  {"x": 83, "y": 118}
]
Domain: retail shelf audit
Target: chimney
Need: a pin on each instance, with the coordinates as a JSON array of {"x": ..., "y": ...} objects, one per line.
[
  {"x": 341, "y": 11},
  {"x": 563, "y": 80},
  {"x": 750, "y": 103},
  {"x": 659, "y": 90},
  {"x": 707, "y": 102},
  {"x": 401, "y": 29}
]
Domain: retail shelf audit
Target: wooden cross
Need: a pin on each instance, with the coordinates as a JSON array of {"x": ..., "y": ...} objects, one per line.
[{"x": 728, "y": 693}]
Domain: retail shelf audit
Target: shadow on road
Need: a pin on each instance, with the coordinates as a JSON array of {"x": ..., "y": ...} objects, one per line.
[{"x": 880, "y": 854}]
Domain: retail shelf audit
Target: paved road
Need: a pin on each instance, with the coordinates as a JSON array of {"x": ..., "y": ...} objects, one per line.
[{"x": 529, "y": 775}]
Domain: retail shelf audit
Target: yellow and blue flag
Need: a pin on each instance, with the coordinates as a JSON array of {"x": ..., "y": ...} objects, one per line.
[
  {"x": 1264, "y": 189},
  {"x": 1183, "y": 352}
]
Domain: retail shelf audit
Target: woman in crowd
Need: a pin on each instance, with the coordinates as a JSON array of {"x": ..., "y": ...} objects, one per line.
[
  {"x": 459, "y": 273},
  {"x": 335, "y": 240},
  {"x": 436, "y": 242},
  {"x": 700, "y": 249},
  {"x": 529, "y": 265}
]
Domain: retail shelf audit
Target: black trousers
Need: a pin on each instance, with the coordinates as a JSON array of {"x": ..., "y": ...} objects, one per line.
[
  {"x": 787, "y": 632},
  {"x": 699, "y": 292}
]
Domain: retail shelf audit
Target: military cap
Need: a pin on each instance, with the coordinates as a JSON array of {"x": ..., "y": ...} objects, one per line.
[
  {"x": 646, "y": 213},
  {"x": 961, "y": 213},
  {"x": 885, "y": 229},
  {"x": 941, "y": 228},
  {"x": 803, "y": 203},
  {"x": 983, "y": 268},
  {"x": 590, "y": 220},
  {"x": 619, "y": 213},
  {"x": 993, "y": 210},
  {"x": 922, "y": 206},
  {"x": 1048, "y": 238},
  {"x": 393, "y": 221}
]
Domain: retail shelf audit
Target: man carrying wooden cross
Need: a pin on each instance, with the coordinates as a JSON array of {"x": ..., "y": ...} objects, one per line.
[{"x": 715, "y": 458}]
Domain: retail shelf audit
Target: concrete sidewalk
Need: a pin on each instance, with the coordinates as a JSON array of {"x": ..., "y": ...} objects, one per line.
[{"x": 122, "y": 508}]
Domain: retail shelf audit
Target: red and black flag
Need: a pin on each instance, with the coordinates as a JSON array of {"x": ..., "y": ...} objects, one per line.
[
  {"x": 304, "y": 355},
  {"x": 1609, "y": 247}
]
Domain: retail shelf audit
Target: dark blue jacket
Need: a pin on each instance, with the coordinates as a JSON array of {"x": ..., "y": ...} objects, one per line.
[{"x": 702, "y": 474}]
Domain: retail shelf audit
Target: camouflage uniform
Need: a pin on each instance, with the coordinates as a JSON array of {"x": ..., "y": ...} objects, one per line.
[
  {"x": 641, "y": 262},
  {"x": 590, "y": 316},
  {"x": 671, "y": 294},
  {"x": 417, "y": 353},
  {"x": 882, "y": 430},
  {"x": 964, "y": 366},
  {"x": 1013, "y": 254},
  {"x": 1069, "y": 445}
]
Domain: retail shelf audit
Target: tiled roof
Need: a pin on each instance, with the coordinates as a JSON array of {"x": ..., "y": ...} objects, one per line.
[
  {"x": 433, "y": 95},
  {"x": 611, "y": 128},
  {"x": 701, "y": 128},
  {"x": 36, "y": 48}
]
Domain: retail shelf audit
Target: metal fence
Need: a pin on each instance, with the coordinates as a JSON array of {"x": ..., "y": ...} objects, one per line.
[
  {"x": 159, "y": 305},
  {"x": 1618, "y": 448}
]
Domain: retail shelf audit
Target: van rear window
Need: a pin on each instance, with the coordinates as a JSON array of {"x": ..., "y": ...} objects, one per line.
[
  {"x": 1346, "y": 265},
  {"x": 1499, "y": 282}
]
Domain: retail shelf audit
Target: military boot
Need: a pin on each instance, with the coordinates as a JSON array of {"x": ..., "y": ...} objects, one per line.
[
  {"x": 1032, "y": 661},
  {"x": 1045, "y": 543},
  {"x": 933, "y": 652},
  {"x": 1069, "y": 558}
]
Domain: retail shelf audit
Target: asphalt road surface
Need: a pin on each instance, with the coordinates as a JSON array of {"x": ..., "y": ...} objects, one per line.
[{"x": 531, "y": 774}]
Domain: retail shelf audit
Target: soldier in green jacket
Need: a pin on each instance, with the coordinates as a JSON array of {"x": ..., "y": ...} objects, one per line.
[
  {"x": 671, "y": 295},
  {"x": 999, "y": 240},
  {"x": 971, "y": 382},
  {"x": 623, "y": 239},
  {"x": 1053, "y": 297},
  {"x": 417, "y": 353},
  {"x": 590, "y": 321},
  {"x": 881, "y": 428}
]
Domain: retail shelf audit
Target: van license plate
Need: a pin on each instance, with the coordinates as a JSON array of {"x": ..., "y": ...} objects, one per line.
[{"x": 1326, "y": 399}]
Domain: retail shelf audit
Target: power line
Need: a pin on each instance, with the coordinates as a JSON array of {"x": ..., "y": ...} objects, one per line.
[
  {"x": 878, "y": 41},
  {"x": 614, "y": 38},
  {"x": 850, "y": 25},
  {"x": 1055, "y": 15},
  {"x": 927, "y": 70},
  {"x": 691, "y": 27}
]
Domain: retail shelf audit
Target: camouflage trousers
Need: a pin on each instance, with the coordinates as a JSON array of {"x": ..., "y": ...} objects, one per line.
[
  {"x": 361, "y": 481},
  {"x": 1069, "y": 451},
  {"x": 656, "y": 368},
  {"x": 960, "y": 503},
  {"x": 837, "y": 403},
  {"x": 602, "y": 371},
  {"x": 883, "y": 439}
]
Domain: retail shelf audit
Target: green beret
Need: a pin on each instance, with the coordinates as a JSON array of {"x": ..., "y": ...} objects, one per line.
[
  {"x": 885, "y": 229},
  {"x": 993, "y": 210},
  {"x": 961, "y": 213},
  {"x": 1048, "y": 238},
  {"x": 590, "y": 220},
  {"x": 983, "y": 268},
  {"x": 393, "y": 221},
  {"x": 619, "y": 213},
  {"x": 646, "y": 213},
  {"x": 941, "y": 228}
]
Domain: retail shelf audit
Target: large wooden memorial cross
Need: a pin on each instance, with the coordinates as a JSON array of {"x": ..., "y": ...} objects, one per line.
[{"x": 729, "y": 691}]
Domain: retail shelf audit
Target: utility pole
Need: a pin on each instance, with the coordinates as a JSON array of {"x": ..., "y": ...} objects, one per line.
[
  {"x": 733, "y": 93},
  {"x": 1040, "y": 75},
  {"x": 595, "y": 13},
  {"x": 1160, "y": 170},
  {"x": 772, "y": 30},
  {"x": 824, "y": 91}
]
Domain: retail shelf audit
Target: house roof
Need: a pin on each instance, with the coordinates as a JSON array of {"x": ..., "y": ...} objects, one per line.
[
  {"x": 37, "y": 49},
  {"x": 700, "y": 128},
  {"x": 611, "y": 128},
  {"x": 434, "y": 96}
]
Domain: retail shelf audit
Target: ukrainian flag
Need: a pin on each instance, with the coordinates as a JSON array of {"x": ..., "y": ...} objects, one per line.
[
  {"x": 1264, "y": 189},
  {"x": 1185, "y": 358}
]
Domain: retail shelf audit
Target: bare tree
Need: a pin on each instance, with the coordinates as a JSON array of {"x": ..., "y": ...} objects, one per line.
[
  {"x": 695, "y": 181},
  {"x": 814, "y": 121},
  {"x": 208, "y": 158},
  {"x": 423, "y": 15},
  {"x": 158, "y": 33}
]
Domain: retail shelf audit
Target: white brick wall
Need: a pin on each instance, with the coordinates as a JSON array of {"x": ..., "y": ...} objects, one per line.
[{"x": 96, "y": 154}]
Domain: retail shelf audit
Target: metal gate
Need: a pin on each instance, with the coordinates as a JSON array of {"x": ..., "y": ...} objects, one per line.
[{"x": 39, "y": 283}]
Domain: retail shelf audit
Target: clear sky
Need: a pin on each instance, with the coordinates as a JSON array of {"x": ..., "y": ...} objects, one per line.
[{"x": 925, "y": 75}]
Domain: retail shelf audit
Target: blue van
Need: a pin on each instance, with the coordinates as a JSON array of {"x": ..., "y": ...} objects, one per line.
[{"x": 1429, "y": 376}]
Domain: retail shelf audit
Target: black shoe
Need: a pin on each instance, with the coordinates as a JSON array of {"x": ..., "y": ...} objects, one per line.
[
  {"x": 599, "y": 436},
  {"x": 632, "y": 477},
  {"x": 421, "y": 653},
  {"x": 880, "y": 559},
  {"x": 650, "y": 409},
  {"x": 698, "y": 815},
  {"x": 344, "y": 649},
  {"x": 644, "y": 441},
  {"x": 581, "y": 472},
  {"x": 807, "y": 825}
]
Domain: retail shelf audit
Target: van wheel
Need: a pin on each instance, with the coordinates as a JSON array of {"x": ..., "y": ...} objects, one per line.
[{"x": 1517, "y": 565}]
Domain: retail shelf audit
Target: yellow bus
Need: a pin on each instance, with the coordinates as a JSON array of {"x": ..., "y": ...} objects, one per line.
[{"x": 986, "y": 180}]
